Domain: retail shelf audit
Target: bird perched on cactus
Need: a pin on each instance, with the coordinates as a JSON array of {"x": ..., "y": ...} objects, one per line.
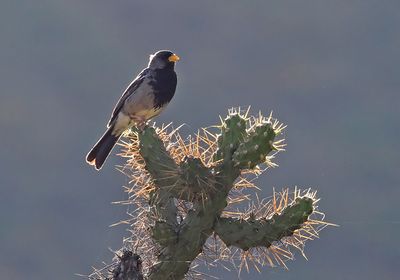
[{"x": 144, "y": 98}]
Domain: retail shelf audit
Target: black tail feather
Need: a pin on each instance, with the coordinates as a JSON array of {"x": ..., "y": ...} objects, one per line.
[{"x": 99, "y": 153}]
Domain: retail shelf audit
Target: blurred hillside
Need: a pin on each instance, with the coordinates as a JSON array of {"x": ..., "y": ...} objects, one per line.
[{"x": 328, "y": 69}]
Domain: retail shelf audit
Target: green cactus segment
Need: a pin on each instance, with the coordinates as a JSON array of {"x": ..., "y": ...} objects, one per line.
[
  {"x": 163, "y": 233},
  {"x": 198, "y": 178},
  {"x": 233, "y": 131},
  {"x": 247, "y": 234},
  {"x": 180, "y": 181},
  {"x": 164, "y": 208},
  {"x": 159, "y": 164},
  {"x": 166, "y": 177},
  {"x": 255, "y": 148}
]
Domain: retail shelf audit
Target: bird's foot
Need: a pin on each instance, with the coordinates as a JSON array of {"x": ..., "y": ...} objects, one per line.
[{"x": 141, "y": 125}]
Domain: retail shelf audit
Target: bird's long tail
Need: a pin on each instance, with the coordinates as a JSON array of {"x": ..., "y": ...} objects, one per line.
[{"x": 99, "y": 153}]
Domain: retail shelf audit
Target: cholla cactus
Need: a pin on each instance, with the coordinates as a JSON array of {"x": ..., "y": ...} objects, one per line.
[{"x": 185, "y": 193}]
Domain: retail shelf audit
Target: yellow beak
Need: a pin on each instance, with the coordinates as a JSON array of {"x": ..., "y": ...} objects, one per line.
[{"x": 173, "y": 58}]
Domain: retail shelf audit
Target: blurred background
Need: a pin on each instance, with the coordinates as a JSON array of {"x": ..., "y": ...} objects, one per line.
[{"x": 328, "y": 69}]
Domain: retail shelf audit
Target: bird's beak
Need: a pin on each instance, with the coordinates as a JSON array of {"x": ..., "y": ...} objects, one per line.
[{"x": 173, "y": 58}]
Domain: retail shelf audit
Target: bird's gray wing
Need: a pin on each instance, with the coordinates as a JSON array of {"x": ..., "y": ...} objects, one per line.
[{"x": 128, "y": 92}]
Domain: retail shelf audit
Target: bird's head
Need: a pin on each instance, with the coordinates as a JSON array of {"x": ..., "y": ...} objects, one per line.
[{"x": 163, "y": 59}]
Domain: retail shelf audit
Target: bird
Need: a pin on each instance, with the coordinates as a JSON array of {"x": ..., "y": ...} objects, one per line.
[{"x": 145, "y": 98}]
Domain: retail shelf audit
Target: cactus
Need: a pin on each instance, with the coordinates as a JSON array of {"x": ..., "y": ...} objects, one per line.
[{"x": 185, "y": 192}]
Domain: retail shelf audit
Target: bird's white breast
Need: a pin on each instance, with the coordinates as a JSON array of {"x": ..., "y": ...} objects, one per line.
[{"x": 138, "y": 108}]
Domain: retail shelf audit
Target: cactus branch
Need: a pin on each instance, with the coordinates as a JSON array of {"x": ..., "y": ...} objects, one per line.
[
  {"x": 256, "y": 147},
  {"x": 233, "y": 131},
  {"x": 249, "y": 233},
  {"x": 165, "y": 174}
]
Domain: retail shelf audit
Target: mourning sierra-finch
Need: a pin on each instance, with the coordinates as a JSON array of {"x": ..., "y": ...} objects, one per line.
[{"x": 145, "y": 98}]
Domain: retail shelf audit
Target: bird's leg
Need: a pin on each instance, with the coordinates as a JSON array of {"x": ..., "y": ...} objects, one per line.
[
  {"x": 139, "y": 122},
  {"x": 141, "y": 126}
]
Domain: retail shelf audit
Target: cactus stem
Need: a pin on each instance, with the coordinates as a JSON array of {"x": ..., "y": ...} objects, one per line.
[{"x": 183, "y": 186}]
